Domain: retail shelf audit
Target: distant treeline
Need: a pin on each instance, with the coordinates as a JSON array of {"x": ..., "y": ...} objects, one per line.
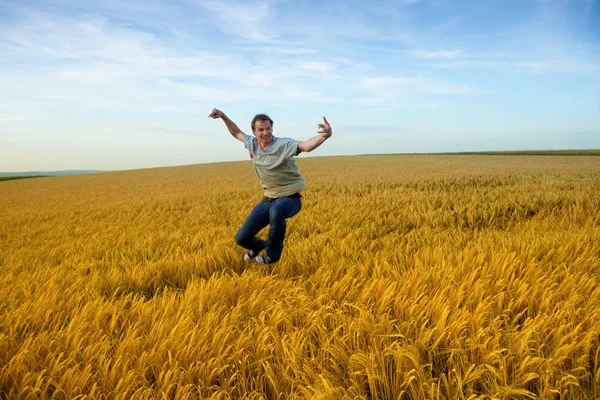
[
  {"x": 36, "y": 174},
  {"x": 11, "y": 178},
  {"x": 591, "y": 152}
]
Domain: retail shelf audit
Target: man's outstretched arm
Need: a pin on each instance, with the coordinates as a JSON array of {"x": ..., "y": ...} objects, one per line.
[
  {"x": 314, "y": 142},
  {"x": 231, "y": 126}
]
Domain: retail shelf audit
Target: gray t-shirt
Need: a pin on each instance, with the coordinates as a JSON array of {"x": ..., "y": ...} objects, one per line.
[{"x": 276, "y": 167}]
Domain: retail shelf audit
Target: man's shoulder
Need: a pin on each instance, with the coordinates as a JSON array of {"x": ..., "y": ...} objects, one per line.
[
  {"x": 282, "y": 141},
  {"x": 248, "y": 139}
]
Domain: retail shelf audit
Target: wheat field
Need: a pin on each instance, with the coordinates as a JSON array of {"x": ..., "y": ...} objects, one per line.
[{"x": 403, "y": 277}]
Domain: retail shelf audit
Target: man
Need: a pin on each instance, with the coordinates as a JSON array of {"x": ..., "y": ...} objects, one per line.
[{"x": 274, "y": 164}]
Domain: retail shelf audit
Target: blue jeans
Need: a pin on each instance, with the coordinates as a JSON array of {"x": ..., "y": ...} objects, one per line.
[{"x": 271, "y": 212}]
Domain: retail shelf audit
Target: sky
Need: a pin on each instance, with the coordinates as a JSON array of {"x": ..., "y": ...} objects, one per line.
[{"x": 122, "y": 84}]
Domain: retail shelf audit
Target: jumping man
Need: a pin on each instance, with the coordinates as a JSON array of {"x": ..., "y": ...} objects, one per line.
[{"x": 274, "y": 164}]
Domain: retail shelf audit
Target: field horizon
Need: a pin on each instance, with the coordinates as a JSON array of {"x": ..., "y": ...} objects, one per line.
[
  {"x": 404, "y": 276},
  {"x": 558, "y": 152}
]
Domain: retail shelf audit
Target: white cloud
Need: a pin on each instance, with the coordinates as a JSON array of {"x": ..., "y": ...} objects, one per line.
[
  {"x": 435, "y": 54},
  {"x": 303, "y": 94},
  {"x": 205, "y": 93},
  {"x": 535, "y": 67},
  {"x": 297, "y": 51},
  {"x": 248, "y": 20},
  {"x": 375, "y": 83},
  {"x": 317, "y": 67},
  {"x": 93, "y": 64},
  {"x": 386, "y": 87},
  {"x": 468, "y": 63},
  {"x": 557, "y": 65},
  {"x": 405, "y": 3}
]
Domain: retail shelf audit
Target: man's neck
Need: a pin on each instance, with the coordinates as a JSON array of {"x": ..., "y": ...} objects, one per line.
[{"x": 265, "y": 145}]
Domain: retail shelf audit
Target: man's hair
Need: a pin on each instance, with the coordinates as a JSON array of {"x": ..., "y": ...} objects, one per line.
[{"x": 261, "y": 117}]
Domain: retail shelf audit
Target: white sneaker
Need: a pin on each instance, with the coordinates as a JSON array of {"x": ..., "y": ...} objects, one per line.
[
  {"x": 249, "y": 255},
  {"x": 263, "y": 260}
]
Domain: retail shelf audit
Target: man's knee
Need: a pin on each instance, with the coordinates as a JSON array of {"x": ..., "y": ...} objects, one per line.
[{"x": 241, "y": 238}]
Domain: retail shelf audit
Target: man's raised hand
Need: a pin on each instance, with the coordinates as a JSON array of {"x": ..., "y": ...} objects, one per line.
[
  {"x": 325, "y": 128},
  {"x": 214, "y": 114}
]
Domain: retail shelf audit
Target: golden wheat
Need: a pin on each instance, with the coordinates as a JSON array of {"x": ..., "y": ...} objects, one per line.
[{"x": 417, "y": 277}]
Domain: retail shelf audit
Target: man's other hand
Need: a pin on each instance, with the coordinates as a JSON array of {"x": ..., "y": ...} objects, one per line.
[{"x": 325, "y": 128}]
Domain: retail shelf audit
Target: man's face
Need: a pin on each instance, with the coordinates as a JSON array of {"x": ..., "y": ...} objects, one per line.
[{"x": 263, "y": 130}]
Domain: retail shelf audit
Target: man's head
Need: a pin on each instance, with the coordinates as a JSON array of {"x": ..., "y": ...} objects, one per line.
[
  {"x": 261, "y": 117},
  {"x": 262, "y": 127}
]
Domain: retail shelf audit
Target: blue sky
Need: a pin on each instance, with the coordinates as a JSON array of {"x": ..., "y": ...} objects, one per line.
[{"x": 129, "y": 84}]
